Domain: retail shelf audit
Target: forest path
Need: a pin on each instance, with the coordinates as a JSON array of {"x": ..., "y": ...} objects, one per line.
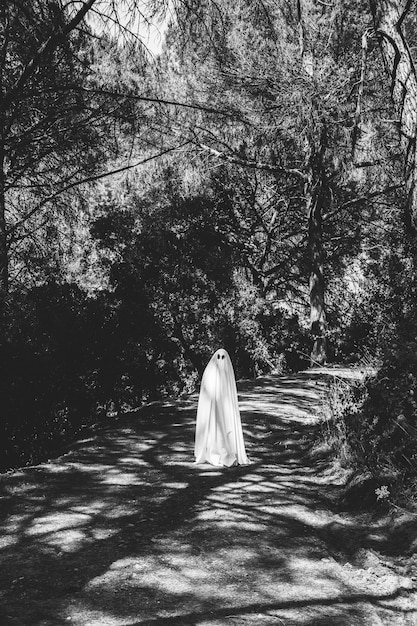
[{"x": 126, "y": 530}]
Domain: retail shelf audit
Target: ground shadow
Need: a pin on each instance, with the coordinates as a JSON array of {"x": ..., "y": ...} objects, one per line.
[{"x": 126, "y": 529}]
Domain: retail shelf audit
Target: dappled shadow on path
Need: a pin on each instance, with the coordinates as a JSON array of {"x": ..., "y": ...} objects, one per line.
[{"x": 126, "y": 529}]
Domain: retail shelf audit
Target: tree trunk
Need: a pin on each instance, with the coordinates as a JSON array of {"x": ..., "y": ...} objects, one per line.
[
  {"x": 318, "y": 321},
  {"x": 315, "y": 196},
  {"x": 316, "y": 199},
  {"x": 388, "y": 17},
  {"x": 4, "y": 261}
]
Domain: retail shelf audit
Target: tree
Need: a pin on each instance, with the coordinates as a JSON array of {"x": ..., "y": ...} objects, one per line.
[
  {"x": 291, "y": 113},
  {"x": 389, "y": 20},
  {"x": 29, "y": 40},
  {"x": 54, "y": 116}
]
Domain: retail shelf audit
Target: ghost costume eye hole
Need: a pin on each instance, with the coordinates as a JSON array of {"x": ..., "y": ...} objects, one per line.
[
  {"x": 218, "y": 356},
  {"x": 222, "y": 356}
]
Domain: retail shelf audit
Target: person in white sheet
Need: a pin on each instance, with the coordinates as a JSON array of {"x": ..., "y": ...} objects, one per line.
[{"x": 219, "y": 436}]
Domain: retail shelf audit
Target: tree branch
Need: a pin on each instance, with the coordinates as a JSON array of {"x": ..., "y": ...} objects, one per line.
[
  {"x": 48, "y": 46},
  {"x": 360, "y": 199},
  {"x": 251, "y": 163},
  {"x": 90, "y": 179},
  {"x": 151, "y": 99}
]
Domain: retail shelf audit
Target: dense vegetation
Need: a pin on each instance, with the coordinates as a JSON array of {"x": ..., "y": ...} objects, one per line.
[{"x": 250, "y": 185}]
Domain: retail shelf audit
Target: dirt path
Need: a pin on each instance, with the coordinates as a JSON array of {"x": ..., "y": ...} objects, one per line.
[{"x": 126, "y": 530}]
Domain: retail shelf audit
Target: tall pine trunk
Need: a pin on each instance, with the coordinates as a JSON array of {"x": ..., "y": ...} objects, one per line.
[
  {"x": 316, "y": 200},
  {"x": 388, "y": 18},
  {"x": 315, "y": 197}
]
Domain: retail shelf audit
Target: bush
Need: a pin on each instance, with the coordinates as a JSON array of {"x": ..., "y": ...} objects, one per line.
[
  {"x": 370, "y": 427},
  {"x": 67, "y": 359},
  {"x": 385, "y": 432},
  {"x": 342, "y": 403}
]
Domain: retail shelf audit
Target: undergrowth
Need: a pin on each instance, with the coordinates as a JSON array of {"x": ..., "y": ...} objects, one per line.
[
  {"x": 341, "y": 402},
  {"x": 369, "y": 426}
]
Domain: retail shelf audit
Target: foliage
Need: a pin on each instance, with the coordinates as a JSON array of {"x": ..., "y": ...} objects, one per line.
[
  {"x": 51, "y": 135},
  {"x": 370, "y": 424},
  {"x": 289, "y": 102},
  {"x": 342, "y": 402},
  {"x": 385, "y": 434},
  {"x": 47, "y": 376},
  {"x": 70, "y": 358},
  {"x": 184, "y": 255}
]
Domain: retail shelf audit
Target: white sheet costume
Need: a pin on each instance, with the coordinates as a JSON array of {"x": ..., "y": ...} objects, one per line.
[{"x": 219, "y": 436}]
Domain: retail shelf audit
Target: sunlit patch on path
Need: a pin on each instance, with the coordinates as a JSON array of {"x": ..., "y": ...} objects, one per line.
[{"x": 127, "y": 530}]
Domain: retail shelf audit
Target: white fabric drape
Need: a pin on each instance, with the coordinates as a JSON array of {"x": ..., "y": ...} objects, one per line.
[{"x": 219, "y": 436}]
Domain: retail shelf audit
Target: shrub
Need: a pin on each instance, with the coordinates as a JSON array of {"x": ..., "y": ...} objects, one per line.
[{"x": 384, "y": 434}]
